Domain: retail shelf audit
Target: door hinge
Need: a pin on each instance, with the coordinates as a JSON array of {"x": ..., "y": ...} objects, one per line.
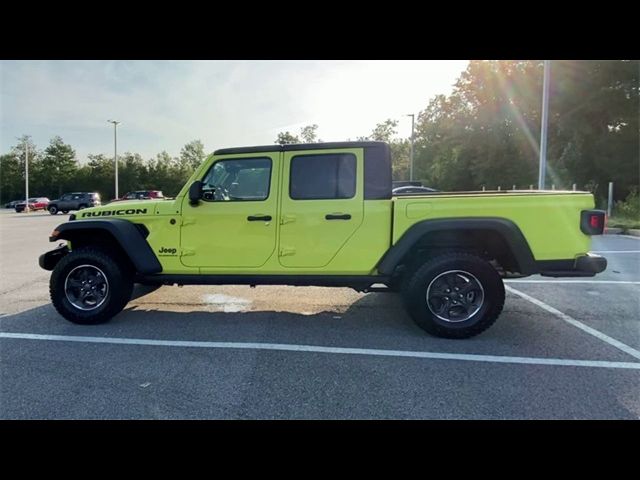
[
  {"x": 287, "y": 251},
  {"x": 287, "y": 219},
  {"x": 187, "y": 252}
]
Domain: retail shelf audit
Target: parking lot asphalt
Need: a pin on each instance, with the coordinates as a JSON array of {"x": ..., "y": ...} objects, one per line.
[{"x": 562, "y": 349}]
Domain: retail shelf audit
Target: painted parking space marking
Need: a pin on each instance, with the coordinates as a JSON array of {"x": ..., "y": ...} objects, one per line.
[
  {"x": 596, "y": 282},
  {"x": 616, "y": 251},
  {"x": 330, "y": 350},
  {"x": 572, "y": 321}
]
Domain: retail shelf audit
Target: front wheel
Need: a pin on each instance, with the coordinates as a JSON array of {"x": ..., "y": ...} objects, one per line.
[
  {"x": 53, "y": 210},
  {"x": 455, "y": 295},
  {"x": 90, "y": 286}
]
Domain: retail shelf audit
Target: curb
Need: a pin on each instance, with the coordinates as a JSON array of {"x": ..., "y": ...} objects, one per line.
[{"x": 634, "y": 232}]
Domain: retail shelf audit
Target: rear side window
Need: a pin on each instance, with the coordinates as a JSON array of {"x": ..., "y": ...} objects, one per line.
[{"x": 323, "y": 177}]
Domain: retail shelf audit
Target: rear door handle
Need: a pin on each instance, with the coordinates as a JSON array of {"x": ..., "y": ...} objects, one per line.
[
  {"x": 259, "y": 218},
  {"x": 337, "y": 216}
]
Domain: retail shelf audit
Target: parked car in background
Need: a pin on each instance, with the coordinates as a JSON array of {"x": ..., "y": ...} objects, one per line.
[
  {"x": 141, "y": 195},
  {"x": 35, "y": 203},
  {"x": 12, "y": 204},
  {"x": 412, "y": 190},
  {"x": 74, "y": 201}
]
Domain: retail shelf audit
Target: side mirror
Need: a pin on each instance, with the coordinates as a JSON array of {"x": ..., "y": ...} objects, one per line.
[{"x": 195, "y": 192}]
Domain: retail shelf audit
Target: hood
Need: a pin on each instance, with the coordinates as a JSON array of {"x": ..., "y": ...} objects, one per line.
[{"x": 124, "y": 209}]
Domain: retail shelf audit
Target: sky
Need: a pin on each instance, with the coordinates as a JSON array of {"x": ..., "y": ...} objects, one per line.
[{"x": 165, "y": 104}]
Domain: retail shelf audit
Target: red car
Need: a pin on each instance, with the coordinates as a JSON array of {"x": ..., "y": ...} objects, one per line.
[
  {"x": 36, "y": 203},
  {"x": 141, "y": 195}
]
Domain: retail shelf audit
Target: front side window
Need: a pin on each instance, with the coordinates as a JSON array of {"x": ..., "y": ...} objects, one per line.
[
  {"x": 325, "y": 176},
  {"x": 244, "y": 179}
]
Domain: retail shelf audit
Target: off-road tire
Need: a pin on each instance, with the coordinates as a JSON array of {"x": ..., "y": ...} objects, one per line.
[
  {"x": 53, "y": 210},
  {"x": 417, "y": 284},
  {"x": 117, "y": 272}
]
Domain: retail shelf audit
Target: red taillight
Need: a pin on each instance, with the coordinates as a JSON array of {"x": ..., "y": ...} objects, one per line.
[{"x": 592, "y": 222}]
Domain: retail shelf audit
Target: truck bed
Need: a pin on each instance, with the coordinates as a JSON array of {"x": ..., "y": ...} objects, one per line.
[{"x": 559, "y": 212}]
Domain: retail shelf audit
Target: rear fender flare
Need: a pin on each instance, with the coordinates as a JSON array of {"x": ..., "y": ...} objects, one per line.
[{"x": 508, "y": 230}]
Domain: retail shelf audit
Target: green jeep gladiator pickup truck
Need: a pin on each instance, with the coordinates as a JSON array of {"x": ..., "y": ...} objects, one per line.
[{"x": 323, "y": 214}]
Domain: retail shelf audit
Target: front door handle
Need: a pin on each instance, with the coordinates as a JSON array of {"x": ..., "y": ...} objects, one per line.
[
  {"x": 337, "y": 216},
  {"x": 259, "y": 218}
]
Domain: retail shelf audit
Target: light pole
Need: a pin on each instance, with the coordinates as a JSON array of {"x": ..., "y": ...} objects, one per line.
[
  {"x": 26, "y": 176},
  {"x": 115, "y": 149},
  {"x": 542, "y": 173},
  {"x": 412, "y": 115}
]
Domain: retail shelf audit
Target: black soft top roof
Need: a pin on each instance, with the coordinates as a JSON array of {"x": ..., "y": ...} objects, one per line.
[{"x": 298, "y": 146}]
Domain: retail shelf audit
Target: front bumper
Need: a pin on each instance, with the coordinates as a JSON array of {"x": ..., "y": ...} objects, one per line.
[
  {"x": 49, "y": 260},
  {"x": 583, "y": 266}
]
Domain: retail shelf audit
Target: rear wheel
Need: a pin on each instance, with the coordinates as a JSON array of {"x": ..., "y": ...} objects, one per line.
[
  {"x": 53, "y": 210},
  {"x": 454, "y": 295},
  {"x": 82, "y": 206},
  {"x": 65, "y": 211},
  {"x": 90, "y": 285}
]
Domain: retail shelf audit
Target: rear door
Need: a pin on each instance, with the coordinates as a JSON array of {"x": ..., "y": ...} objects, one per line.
[{"x": 321, "y": 206}]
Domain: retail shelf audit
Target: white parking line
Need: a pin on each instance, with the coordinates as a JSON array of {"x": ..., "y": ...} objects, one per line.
[
  {"x": 591, "y": 331},
  {"x": 615, "y": 251},
  {"x": 319, "y": 349},
  {"x": 602, "y": 282}
]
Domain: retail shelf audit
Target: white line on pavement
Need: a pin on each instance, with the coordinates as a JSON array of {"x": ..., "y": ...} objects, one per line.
[
  {"x": 615, "y": 251},
  {"x": 602, "y": 282},
  {"x": 320, "y": 349},
  {"x": 591, "y": 331}
]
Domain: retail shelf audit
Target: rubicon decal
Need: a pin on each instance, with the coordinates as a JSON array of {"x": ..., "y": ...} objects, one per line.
[{"x": 108, "y": 213}]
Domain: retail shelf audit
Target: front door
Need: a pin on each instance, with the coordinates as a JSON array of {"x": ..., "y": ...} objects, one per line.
[
  {"x": 234, "y": 225},
  {"x": 322, "y": 205}
]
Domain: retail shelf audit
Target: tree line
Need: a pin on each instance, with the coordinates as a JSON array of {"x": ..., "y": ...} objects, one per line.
[
  {"x": 484, "y": 133},
  {"x": 56, "y": 170},
  {"x": 487, "y": 131}
]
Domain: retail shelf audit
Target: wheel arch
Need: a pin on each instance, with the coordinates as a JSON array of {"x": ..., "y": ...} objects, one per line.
[
  {"x": 128, "y": 238},
  {"x": 498, "y": 236}
]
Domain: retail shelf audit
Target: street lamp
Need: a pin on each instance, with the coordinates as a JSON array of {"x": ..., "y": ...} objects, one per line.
[
  {"x": 115, "y": 149},
  {"x": 26, "y": 176},
  {"x": 412, "y": 115},
  {"x": 542, "y": 172}
]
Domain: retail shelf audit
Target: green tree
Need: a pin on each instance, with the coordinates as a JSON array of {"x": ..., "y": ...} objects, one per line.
[
  {"x": 13, "y": 176},
  {"x": 400, "y": 148},
  {"x": 57, "y": 167},
  {"x": 192, "y": 154},
  {"x": 132, "y": 173},
  {"x": 10, "y": 178},
  {"x": 309, "y": 134},
  {"x": 384, "y": 131},
  {"x": 286, "y": 138}
]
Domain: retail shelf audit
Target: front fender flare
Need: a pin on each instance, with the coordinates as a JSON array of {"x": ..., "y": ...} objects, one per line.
[{"x": 125, "y": 233}]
